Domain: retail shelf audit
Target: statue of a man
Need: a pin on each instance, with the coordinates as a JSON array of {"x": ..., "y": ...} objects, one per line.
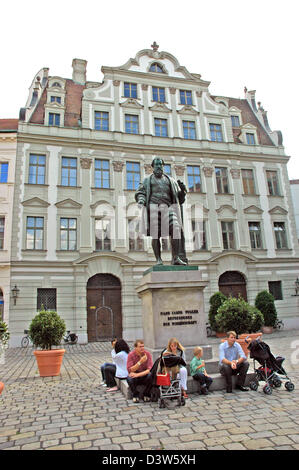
[{"x": 161, "y": 198}]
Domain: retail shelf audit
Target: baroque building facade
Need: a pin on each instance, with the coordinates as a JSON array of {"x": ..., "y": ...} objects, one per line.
[
  {"x": 83, "y": 147},
  {"x": 8, "y": 146}
]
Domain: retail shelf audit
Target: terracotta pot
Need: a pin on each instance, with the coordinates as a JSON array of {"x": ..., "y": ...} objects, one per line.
[
  {"x": 219, "y": 334},
  {"x": 1, "y": 387},
  {"x": 49, "y": 362},
  {"x": 267, "y": 329}
]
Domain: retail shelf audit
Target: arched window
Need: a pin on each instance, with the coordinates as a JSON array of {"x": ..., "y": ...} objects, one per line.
[
  {"x": 57, "y": 84},
  {"x": 155, "y": 67}
]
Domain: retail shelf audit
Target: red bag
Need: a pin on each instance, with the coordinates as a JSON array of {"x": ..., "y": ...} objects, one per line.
[{"x": 163, "y": 379}]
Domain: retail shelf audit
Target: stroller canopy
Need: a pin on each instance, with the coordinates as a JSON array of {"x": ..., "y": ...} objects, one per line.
[{"x": 261, "y": 352}]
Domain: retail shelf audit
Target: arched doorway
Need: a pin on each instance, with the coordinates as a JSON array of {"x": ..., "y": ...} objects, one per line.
[
  {"x": 233, "y": 283},
  {"x": 104, "y": 318}
]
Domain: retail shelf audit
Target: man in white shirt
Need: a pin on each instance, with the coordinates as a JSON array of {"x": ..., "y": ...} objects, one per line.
[{"x": 232, "y": 361}]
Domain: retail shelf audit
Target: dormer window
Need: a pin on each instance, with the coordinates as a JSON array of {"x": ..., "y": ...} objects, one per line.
[
  {"x": 54, "y": 119},
  {"x": 55, "y": 99},
  {"x": 155, "y": 67},
  {"x": 235, "y": 121}
]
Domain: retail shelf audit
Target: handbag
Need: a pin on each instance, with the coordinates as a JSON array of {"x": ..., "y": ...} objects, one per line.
[{"x": 163, "y": 380}]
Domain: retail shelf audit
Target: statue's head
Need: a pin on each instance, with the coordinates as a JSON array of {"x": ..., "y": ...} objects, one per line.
[{"x": 158, "y": 164}]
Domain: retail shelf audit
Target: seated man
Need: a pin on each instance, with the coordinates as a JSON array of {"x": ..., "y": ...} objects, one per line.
[
  {"x": 232, "y": 361},
  {"x": 139, "y": 364}
]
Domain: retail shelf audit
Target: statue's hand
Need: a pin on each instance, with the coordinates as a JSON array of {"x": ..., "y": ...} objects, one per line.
[{"x": 182, "y": 186}]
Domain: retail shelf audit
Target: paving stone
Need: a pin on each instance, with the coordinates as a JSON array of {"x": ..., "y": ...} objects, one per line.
[{"x": 256, "y": 444}]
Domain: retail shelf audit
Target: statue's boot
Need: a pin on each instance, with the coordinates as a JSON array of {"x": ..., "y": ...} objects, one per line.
[
  {"x": 157, "y": 251},
  {"x": 175, "y": 245}
]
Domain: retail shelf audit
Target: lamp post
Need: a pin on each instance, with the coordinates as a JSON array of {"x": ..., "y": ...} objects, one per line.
[
  {"x": 297, "y": 286},
  {"x": 15, "y": 292}
]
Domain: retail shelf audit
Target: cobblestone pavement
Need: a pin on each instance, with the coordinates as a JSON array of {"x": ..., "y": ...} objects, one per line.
[{"x": 74, "y": 412}]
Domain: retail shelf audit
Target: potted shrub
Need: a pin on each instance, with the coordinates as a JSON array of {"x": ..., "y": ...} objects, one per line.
[
  {"x": 216, "y": 300},
  {"x": 46, "y": 330},
  {"x": 237, "y": 315},
  {"x": 264, "y": 301},
  {"x": 4, "y": 337}
]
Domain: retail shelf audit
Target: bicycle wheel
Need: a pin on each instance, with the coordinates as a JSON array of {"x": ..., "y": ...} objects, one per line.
[{"x": 25, "y": 342}]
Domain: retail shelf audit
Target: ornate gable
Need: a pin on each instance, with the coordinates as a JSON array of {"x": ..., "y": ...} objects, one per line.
[
  {"x": 253, "y": 210},
  {"x": 278, "y": 210},
  {"x": 35, "y": 202},
  {"x": 68, "y": 204}
]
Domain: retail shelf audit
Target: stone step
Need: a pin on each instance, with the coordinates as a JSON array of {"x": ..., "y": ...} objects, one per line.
[{"x": 192, "y": 386}]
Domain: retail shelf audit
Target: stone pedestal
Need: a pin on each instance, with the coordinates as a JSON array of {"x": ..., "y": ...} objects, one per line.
[{"x": 172, "y": 303}]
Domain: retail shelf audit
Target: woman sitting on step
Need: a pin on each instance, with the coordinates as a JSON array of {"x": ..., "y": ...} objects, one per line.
[
  {"x": 174, "y": 347},
  {"x": 120, "y": 360}
]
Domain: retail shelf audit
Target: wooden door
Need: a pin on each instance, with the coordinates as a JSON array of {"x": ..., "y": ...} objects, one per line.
[
  {"x": 104, "y": 318},
  {"x": 233, "y": 283}
]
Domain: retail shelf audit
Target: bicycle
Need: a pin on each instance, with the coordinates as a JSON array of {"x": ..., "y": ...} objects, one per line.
[
  {"x": 279, "y": 325},
  {"x": 25, "y": 340},
  {"x": 71, "y": 338}
]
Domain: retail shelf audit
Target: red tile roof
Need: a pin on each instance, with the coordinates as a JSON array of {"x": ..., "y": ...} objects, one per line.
[{"x": 8, "y": 125}]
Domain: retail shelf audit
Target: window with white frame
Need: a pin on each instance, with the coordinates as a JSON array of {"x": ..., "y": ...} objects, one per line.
[
  {"x": 250, "y": 138},
  {"x": 54, "y": 119},
  {"x": 135, "y": 237},
  {"x": 133, "y": 175},
  {"x": 130, "y": 90},
  {"x": 159, "y": 94},
  {"x": 101, "y": 121},
  {"x": 235, "y": 121},
  {"x": 68, "y": 233},
  {"x": 186, "y": 97},
  {"x": 189, "y": 130},
  {"x": 280, "y": 235},
  {"x": 69, "y": 171},
  {"x": 131, "y": 124},
  {"x": 34, "y": 233},
  {"x": 216, "y": 132},
  {"x": 199, "y": 234},
  {"x": 248, "y": 182},
  {"x": 3, "y": 172},
  {"x": 161, "y": 127},
  {"x": 37, "y": 169},
  {"x": 228, "y": 236},
  {"x": 2, "y": 227},
  {"x": 255, "y": 235},
  {"x": 102, "y": 234},
  {"x": 194, "y": 178},
  {"x": 272, "y": 181},
  {"x": 101, "y": 173},
  {"x": 222, "y": 180}
]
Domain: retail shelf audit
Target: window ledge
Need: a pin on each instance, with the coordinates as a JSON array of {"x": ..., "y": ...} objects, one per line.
[
  {"x": 105, "y": 189},
  {"x": 252, "y": 195},
  {"x": 67, "y": 251},
  {"x": 71, "y": 187},
  {"x": 282, "y": 250},
  {"x": 275, "y": 195},
  {"x": 36, "y": 184},
  {"x": 224, "y": 194},
  {"x": 27, "y": 250}
]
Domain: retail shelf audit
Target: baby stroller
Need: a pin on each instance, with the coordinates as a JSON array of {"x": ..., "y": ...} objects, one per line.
[
  {"x": 270, "y": 366},
  {"x": 168, "y": 388}
]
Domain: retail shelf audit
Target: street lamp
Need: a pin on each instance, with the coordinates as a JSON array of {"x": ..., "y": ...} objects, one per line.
[
  {"x": 297, "y": 286},
  {"x": 15, "y": 292}
]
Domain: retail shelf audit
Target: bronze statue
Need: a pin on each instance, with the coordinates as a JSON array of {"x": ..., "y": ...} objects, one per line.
[{"x": 161, "y": 198}]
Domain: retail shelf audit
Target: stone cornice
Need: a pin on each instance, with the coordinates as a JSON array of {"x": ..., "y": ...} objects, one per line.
[{"x": 145, "y": 144}]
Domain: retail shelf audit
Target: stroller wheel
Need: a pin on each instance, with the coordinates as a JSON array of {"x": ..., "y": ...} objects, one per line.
[
  {"x": 267, "y": 390},
  {"x": 277, "y": 383},
  {"x": 254, "y": 386},
  {"x": 289, "y": 386}
]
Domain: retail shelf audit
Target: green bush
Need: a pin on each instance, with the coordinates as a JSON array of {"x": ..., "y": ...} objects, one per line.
[
  {"x": 4, "y": 333},
  {"x": 237, "y": 315},
  {"x": 47, "y": 329},
  {"x": 216, "y": 300},
  {"x": 264, "y": 301}
]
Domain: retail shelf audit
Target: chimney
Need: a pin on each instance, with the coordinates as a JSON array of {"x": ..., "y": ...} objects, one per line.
[{"x": 79, "y": 71}]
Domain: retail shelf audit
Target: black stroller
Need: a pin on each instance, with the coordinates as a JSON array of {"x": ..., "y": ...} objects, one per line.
[
  {"x": 269, "y": 369},
  {"x": 168, "y": 388}
]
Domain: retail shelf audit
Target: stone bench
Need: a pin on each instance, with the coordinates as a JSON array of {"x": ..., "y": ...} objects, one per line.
[{"x": 193, "y": 386}]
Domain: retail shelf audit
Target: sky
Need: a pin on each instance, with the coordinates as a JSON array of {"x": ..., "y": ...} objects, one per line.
[{"x": 231, "y": 43}]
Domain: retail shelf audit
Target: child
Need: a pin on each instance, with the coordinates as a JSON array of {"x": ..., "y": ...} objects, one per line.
[{"x": 198, "y": 371}]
